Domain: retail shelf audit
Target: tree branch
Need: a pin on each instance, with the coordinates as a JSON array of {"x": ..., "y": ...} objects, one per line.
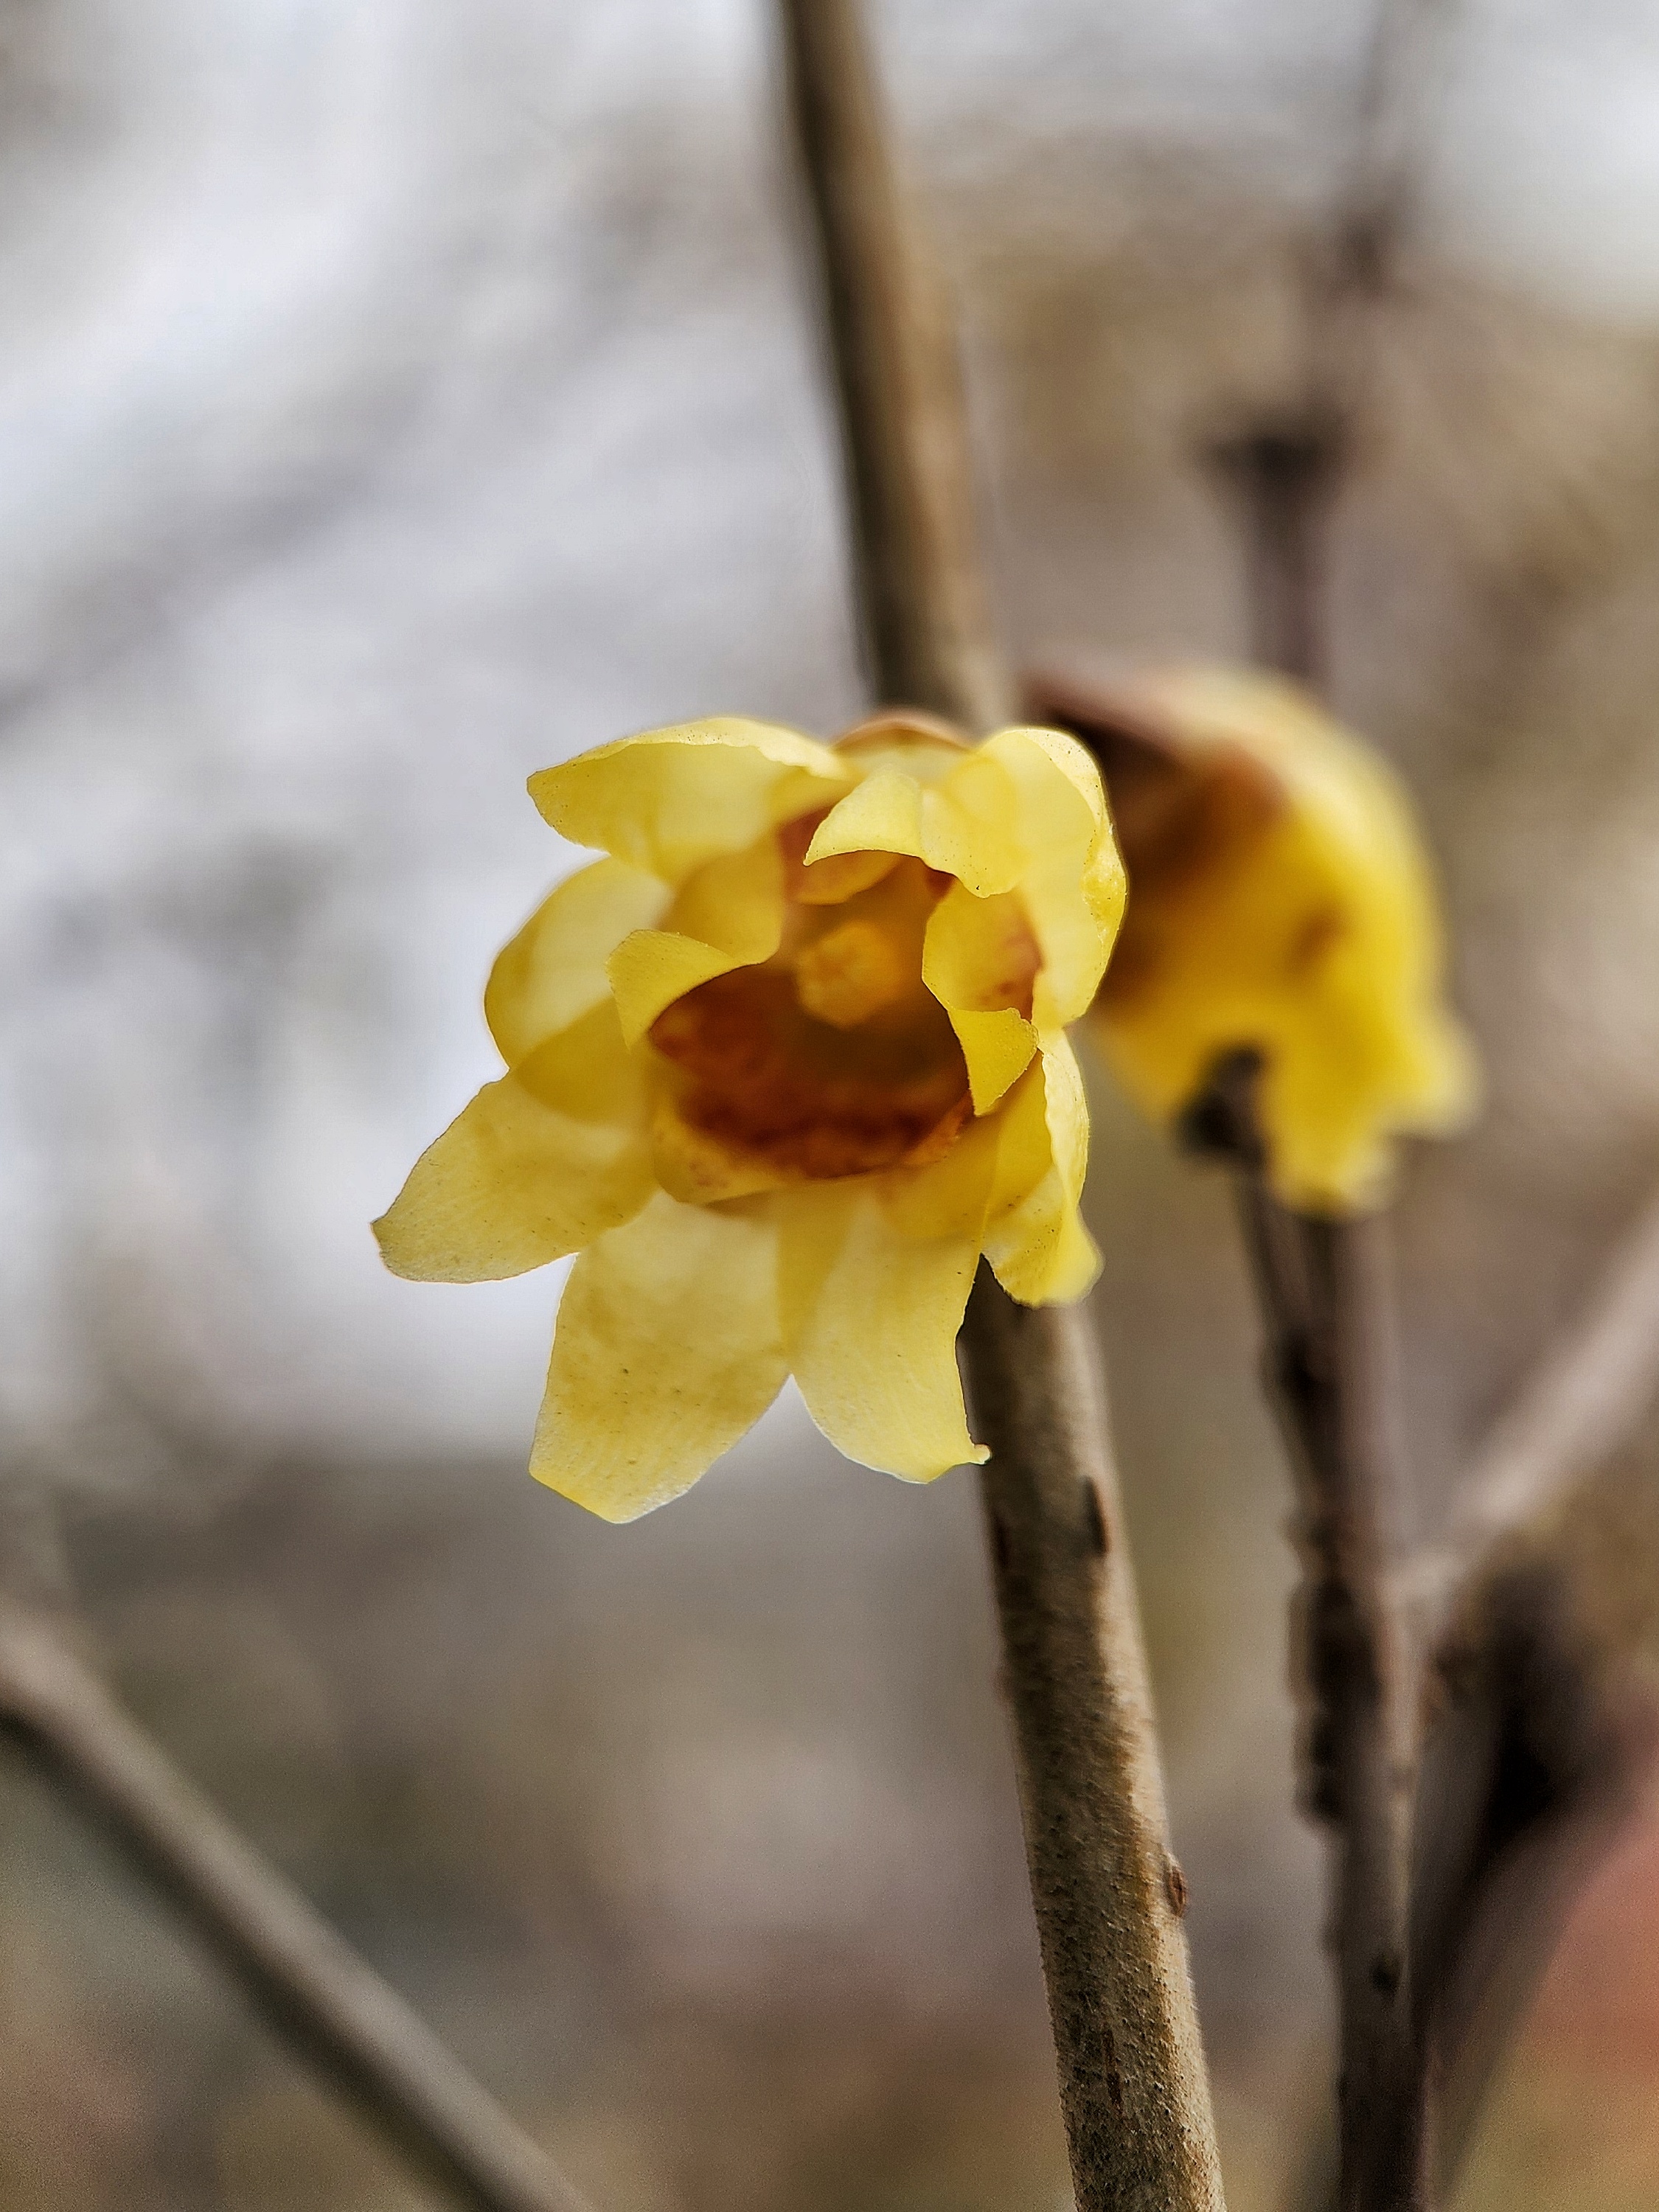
[
  {"x": 1541, "y": 1743},
  {"x": 1323, "y": 1291},
  {"x": 1133, "y": 2089},
  {"x": 920, "y": 583},
  {"x": 303, "y": 1976},
  {"x": 1577, "y": 1405},
  {"x": 1542, "y": 1739}
]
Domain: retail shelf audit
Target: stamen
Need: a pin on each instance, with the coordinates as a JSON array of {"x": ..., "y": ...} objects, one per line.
[{"x": 849, "y": 973}]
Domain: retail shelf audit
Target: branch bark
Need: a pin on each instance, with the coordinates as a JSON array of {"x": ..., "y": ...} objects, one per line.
[
  {"x": 1134, "y": 2093},
  {"x": 920, "y": 583},
  {"x": 1323, "y": 1290},
  {"x": 1109, "y": 1896},
  {"x": 303, "y": 1976},
  {"x": 1321, "y": 1286}
]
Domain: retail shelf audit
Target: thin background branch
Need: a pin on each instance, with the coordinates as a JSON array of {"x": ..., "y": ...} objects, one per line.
[
  {"x": 326, "y": 2002},
  {"x": 1580, "y": 1402},
  {"x": 1538, "y": 1741}
]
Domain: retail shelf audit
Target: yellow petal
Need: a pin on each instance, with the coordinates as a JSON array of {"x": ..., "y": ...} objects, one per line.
[
  {"x": 963, "y": 825},
  {"x": 977, "y": 960},
  {"x": 538, "y": 1166},
  {"x": 974, "y": 828},
  {"x": 998, "y": 1049},
  {"x": 670, "y": 800},
  {"x": 827, "y": 883},
  {"x": 652, "y": 968},
  {"x": 871, "y": 1316},
  {"x": 1073, "y": 885},
  {"x": 554, "y": 970},
  {"x": 734, "y": 903},
  {"x": 883, "y": 814},
  {"x": 1306, "y": 932},
  {"x": 1034, "y": 1238},
  {"x": 728, "y": 913},
  {"x": 667, "y": 1350},
  {"x": 692, "y": 1165}
]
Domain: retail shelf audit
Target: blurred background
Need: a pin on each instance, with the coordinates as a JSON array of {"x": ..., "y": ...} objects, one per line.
[{"x": 395, "y": 399}]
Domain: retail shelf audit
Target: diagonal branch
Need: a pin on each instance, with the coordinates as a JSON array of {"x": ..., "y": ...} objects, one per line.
[
  {"x": 304, "y": 1977},
  {"x": 1577, "y": 1406},
  {"x": 1541, "y": 1739},
  {"x": 1108, "y": 1896},
  {"x": 1542, "y": 1743}
]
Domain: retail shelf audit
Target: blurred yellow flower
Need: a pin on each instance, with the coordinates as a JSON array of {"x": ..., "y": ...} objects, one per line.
[
  {"x": 780, "y": 1069},
  {"x": 1281, "y": 902}
]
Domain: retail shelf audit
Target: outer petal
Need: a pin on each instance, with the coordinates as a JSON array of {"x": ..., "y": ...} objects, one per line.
[
  {"x": 667, "y": 1349},
  {"x": 1034, "y": 1238},
  {"x": 670, "y": 800},
  {"x": 540, "y": 1164},
  {"x": 554, "y": 970},
  {"x": 1073, "y": 885},
  {"x": 870, "y": 1314},
  {"x": 966, "y": 826}
]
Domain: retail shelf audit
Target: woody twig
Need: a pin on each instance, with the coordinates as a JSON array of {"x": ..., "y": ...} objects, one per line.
[{"x": 1108, "y": 1895}]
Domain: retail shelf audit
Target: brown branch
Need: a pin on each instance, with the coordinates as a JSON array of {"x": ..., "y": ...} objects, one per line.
[
  {"x": 1321, "y": 1284},
  {"x": 1284, "y": 477},
  {"x": 920, "y": 587},
  {"x": 1541, "y": 1743},
  {"x": 1134, "y": 2093},
  {"x": 1323, "y": 1288},
  {"x": 1577, "y": 1405},
  {"x": 1532, "y": 1752},
  {"x": 1287, "y": 469},
  {"x": 1541, "y": 1738},
  {"x": 1109, "y": 1897},
  {"x": 1538, "y": 1741},
  {"x": 303, "y": 1976}
]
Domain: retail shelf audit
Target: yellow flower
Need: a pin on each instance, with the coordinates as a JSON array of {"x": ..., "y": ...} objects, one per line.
[
  {"x": 1281, "y": 902},
  {"x": 780, "y": 1069}
]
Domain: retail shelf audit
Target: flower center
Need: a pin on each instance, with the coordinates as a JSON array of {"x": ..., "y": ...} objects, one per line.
[
  {"x": 832, "y": 1057},
  {"x": 852, "y": 972}
]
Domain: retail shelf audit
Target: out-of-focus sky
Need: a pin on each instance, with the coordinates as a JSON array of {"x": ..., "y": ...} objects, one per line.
[{"x": 396, "y": 398}]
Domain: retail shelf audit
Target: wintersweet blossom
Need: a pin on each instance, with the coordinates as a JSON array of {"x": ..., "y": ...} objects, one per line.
[
  {"x": 780, "y": 1069},
  {"x": 1280, "y": 903}
]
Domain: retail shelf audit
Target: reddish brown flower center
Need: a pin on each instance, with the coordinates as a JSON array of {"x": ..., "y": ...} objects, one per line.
[{"x": 832, "y": 1057}]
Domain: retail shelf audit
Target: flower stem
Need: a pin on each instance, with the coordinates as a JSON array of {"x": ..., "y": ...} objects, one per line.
[
  {"x": 1108, "y": 1896},
  {"x": 1321, "y": 1286},
  {"x": 1323, "y": 1290}
]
